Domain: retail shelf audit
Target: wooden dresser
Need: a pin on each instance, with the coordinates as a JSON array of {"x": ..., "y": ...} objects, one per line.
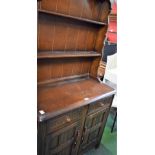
[{"x": 72, "y": 104}]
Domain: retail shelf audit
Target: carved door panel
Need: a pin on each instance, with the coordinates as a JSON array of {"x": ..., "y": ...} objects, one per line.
[
  {"x": 63, "y": 141},
  {"x": 93, "y": 128}
]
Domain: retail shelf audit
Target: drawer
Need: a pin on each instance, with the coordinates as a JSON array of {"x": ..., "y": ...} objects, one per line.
[
  {"x": 99, "y": 105},
  {"x": 64, "y": 120}
]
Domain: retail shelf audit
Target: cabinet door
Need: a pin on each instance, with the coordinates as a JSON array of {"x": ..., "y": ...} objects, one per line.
[
  {"x": 63, "y": 141},
  {"x": 93, "y": 129}
]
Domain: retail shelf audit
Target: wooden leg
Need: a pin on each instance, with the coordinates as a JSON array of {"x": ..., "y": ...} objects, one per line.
[{"x": 97, "y": 145}]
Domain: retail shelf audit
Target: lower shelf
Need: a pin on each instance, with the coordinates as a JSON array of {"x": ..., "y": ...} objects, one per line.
[{"x": 68, "y": 54}]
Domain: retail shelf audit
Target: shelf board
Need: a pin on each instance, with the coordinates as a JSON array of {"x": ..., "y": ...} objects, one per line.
[
  {"x": 68, "y": 54},
  {"x": 72, "y": 17}
]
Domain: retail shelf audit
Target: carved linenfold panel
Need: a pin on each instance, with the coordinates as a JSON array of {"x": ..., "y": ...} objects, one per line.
[
  {"x": 93, "y": 129},
  {"x": 61, "y": 140},
  {"x": 93, "y": 135}
]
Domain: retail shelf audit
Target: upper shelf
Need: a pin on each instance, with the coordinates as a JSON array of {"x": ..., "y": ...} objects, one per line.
[
  {"x": 72, "y": 17},
  {"x": 68, "y": 54}
]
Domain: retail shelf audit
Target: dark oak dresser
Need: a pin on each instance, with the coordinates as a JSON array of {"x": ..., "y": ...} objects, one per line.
[{"x": 73, "y": 105}]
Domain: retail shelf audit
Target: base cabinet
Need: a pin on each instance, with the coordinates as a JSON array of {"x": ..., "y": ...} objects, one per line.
[{"x": 73, "y": 133}]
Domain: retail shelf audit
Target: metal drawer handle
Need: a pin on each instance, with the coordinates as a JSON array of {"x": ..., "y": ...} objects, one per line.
[
  {"x": 82, "y": 138},
  {"x": 101, "y": 104},
  {"x": 76, "y": 137},
  {"x": 68, "y": 119}
]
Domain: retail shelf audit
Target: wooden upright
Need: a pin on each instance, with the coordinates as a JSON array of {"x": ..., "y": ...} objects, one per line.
[{"x": 72, "y": 104}]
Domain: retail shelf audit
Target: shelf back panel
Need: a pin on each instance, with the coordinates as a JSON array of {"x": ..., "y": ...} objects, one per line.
[
  {"x": 59, "y": 68},
  {"x": 89, "y": 9},
  {"x": 59, "y": 34}
]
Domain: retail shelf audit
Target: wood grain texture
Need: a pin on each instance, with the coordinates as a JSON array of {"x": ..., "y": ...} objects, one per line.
[
  {"x": 60, "y": 30},
  {"x": 68, "y": 54},
  {"x": 62, "y": 140},
  {"x": 58, "y": 68},
  {"x": 90, "y": 21},
  {"x": 89, "y": 9},
  {"x": 105, "y": 10},
  {"x": 94, "y": 67},
  {"x": 92, "y": 130},
  {"x": 74, "y": 36},
  {"x": 75, "y": 105},
  {"x": 99, "y": 39},
  {"x": 72, "y": 95}
]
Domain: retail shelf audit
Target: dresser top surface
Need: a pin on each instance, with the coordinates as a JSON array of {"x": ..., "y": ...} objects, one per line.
[{"x": 62, "y": 98}]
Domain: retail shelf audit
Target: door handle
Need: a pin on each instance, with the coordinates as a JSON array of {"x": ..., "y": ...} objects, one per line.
[{"x": 76, "y": 138}]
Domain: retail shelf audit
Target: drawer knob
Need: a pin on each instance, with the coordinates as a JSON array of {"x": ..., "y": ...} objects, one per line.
[
  {"x": 68, "y": 119},
  {"x": 82, "y": 139},
  {"x": 102, "y": 104}
]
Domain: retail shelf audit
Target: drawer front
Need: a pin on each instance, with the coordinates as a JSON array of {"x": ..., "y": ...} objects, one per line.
[
  {"x": 99, "y": 105},
  {"x": 64, "y": 120}
]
